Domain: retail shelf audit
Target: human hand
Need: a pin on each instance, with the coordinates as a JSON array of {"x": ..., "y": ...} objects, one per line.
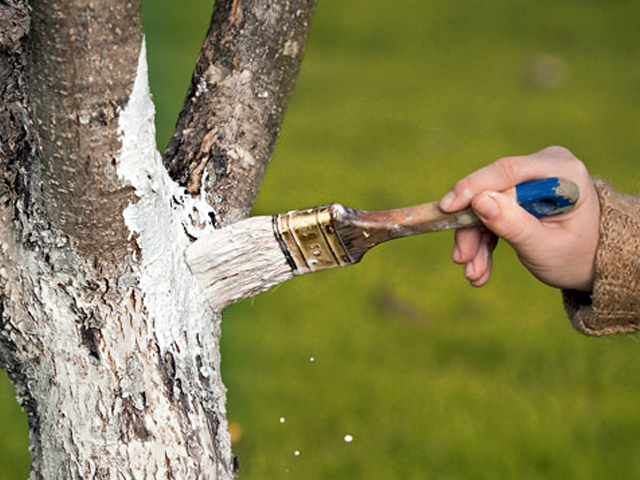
[{"x": 560, "y": 251}]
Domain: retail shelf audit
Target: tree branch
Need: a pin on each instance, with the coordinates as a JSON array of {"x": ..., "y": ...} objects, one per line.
[{"x": 239, "y": 91}]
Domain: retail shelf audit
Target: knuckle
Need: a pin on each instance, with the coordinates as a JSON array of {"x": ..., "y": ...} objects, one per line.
[
  {"x": 576, "y": 166},
  {"x": 506, "y": 166},
  {"x": 462, "y": 185},
  {"x": 559, "y": 152}
]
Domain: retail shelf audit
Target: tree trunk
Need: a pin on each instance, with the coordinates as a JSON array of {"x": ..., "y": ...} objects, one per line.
[{"x": 111, "y": 347}]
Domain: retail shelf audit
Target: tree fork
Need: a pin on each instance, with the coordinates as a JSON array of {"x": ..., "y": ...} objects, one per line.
[
  {"x": 113, "y": 352},
  {"x": 231, "y": 117}
]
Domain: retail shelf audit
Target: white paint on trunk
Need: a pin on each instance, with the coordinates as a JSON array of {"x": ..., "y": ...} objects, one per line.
[
  {"x": 116, "y": 359},
  {"x": 181, "y": 321},
  {"x": 159, "y": 219}
]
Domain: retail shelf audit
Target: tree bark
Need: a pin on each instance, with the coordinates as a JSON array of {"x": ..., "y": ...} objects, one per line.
[
  {"x": 231, "y": 117},
  {"x": 112, "y": 349}
]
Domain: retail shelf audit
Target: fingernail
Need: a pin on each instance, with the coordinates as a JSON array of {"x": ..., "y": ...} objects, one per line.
[
  {"x": 456, "y": 253},
  {"x": 486, "y": 206},
  {"x": 447, "y": 200},
  {"x": 468, "y": 270}
]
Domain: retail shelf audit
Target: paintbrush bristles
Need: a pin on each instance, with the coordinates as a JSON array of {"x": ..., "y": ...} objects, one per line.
[{"x": 238, "y": 261}]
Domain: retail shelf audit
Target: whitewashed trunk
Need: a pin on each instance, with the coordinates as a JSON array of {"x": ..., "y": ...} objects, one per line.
[
  {"x": 110, "y": 344},
  {"x": 124, "y": 361}
]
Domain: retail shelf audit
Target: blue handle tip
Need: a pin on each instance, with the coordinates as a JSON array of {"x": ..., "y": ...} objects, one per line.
[{"x": 547, "y": 197}]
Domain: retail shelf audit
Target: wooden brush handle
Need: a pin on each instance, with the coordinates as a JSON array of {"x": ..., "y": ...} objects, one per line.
[{"x": 361, "y": 230}]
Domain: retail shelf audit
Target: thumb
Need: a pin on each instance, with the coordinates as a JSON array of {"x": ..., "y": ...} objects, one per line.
[{"x": 505, "y": 218}]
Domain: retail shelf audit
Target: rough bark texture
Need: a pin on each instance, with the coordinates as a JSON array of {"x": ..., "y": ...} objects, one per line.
[
  {"x": 111, "y": 347},
  {"x": 83, "y": 63},
  {"x": 231, "y": 117}
]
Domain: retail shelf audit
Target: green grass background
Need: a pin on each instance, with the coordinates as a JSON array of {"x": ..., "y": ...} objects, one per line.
[{"x": 432, "y": 378}]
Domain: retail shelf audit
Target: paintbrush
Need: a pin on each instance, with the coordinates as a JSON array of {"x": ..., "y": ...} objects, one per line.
[{"x": 253, "y": 255}]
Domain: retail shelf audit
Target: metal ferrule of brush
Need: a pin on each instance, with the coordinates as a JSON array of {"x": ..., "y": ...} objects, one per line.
[{"x": 309, "y": 240}]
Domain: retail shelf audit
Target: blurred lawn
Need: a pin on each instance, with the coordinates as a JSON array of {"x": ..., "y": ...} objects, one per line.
[{"x": 433, "y": 379}]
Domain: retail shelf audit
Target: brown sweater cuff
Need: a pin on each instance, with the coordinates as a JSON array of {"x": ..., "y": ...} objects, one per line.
[{"x": 614, "y": 304}]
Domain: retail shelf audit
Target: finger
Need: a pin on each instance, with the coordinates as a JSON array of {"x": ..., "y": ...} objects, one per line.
[
  {"x": 506, "y": 219},
  {"x": 482, "y": 281},
  {"x": 478, "y": 270},
  {"x": 458, "y": 198},
  {"x": 554, "y": 153},
  {"x": 507, "y": 172},
  {"x": 467, "y": 242}
]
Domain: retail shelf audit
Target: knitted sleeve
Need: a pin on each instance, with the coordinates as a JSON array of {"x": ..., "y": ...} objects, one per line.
[{"x": 614, "y": 304}]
